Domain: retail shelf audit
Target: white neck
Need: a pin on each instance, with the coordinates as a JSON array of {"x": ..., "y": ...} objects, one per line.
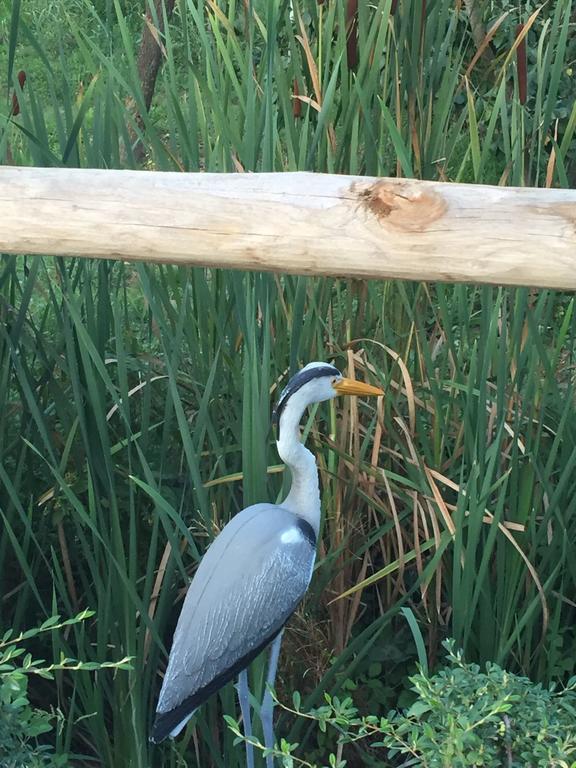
[{"x": 304, "y": 497}]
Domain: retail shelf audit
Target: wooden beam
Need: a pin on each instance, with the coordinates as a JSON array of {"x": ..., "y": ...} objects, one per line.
[{"x": 303, "y": 223}]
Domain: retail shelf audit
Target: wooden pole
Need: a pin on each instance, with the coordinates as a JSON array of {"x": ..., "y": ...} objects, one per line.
[{"x": 302, "y": 223}]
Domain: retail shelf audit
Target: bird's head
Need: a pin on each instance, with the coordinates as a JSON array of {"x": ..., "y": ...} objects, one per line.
[{"x": 315, "y": 383}]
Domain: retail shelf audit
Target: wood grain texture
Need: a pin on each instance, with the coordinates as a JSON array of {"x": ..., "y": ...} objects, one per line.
[{"x": 303, "y": 223}]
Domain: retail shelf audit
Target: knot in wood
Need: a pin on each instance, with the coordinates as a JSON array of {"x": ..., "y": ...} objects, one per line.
[{"x": 401, "y": 205}]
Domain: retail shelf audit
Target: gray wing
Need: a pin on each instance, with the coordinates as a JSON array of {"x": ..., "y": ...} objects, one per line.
[{"x": 249, "y": 582}]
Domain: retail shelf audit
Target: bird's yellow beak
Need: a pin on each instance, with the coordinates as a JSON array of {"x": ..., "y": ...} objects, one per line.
[{"x": 351, "y": 387}]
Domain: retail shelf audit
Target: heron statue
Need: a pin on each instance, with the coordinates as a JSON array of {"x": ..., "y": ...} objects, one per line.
[{"x": 252, "y": 577}]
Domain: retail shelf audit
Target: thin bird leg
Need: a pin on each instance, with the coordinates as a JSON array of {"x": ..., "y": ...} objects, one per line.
[
  {"x": 267, "y": 709},
  {"x": 244, "y": 699}
]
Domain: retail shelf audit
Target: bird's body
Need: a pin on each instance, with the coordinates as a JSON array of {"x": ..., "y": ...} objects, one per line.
[
  {"x": 254, "y": 574},
  {"x": 269, "y": 554}
]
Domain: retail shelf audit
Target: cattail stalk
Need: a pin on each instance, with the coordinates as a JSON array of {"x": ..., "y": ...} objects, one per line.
[
  {"x": 522, "y": 66},
  {"x": 15, "y": 103}
]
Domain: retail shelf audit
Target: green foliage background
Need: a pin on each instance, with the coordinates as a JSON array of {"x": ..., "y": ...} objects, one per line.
[{"x": 131, "y": 395}]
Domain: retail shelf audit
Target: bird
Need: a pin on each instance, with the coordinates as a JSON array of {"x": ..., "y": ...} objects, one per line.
[{"x": 253, "y": 576}]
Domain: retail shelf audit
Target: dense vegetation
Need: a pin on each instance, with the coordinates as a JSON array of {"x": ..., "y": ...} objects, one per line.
[{"x": 135, "y": 401}]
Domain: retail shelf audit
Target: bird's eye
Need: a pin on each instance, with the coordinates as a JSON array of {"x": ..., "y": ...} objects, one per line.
[{"x": 334, "y": 380}]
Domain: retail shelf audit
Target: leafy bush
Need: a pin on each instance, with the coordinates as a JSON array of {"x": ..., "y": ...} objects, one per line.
[
  {"x": 21, "y": 723},
  {"x": 465, "y": 717},
  {"x": 462, "y": 717}
]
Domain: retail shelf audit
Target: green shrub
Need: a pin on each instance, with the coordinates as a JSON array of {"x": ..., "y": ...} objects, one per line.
[
  {"x": 21, "y": 723},
  {"x": 462, "y": 717},
  {"x": 466, "y": 717}
]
